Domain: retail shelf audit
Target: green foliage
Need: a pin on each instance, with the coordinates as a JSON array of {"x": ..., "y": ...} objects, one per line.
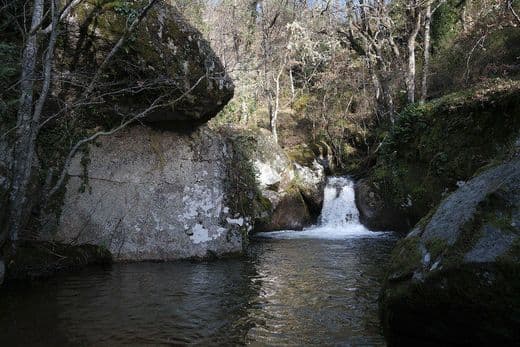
[
  {"x": 433, "y": 146},
  {"x": 244, "y": 197},
  {"x": 462, "y": 59},
  {"x": 446, "y": 24}
]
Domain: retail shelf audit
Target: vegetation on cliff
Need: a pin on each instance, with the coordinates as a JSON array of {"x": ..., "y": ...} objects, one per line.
[
  {"x": 435, "y": 147},
  {"x": 104, "y": 65}
]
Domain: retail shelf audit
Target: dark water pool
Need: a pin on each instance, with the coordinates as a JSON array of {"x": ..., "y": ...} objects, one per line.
[{"x": 287, "y": 291}]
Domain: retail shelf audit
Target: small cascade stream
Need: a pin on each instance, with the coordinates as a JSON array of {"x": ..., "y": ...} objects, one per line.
[{"x": 339, "y": 217}]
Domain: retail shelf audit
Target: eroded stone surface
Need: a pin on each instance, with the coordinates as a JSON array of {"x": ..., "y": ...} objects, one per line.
[
  {"x": 294, "y": 191},
  {"x": 460, "y": 263},
  {"x": 2, "y": 271},
  {"x": 153, "y": 195}
]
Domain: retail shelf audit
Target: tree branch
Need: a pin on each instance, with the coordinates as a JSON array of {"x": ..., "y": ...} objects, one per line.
[
  {"x": 117, "y": 46},
  {"x": 155, "y": 105}
]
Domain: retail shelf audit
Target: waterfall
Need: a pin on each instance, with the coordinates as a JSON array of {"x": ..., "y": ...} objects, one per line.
[
  {"x": 339, "y": 206},
  {"x": 339, "y": 217}
]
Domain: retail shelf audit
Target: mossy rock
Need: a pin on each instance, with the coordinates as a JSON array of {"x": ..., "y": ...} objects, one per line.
[
  {"x": 301, "y": 154},
  {"x": 475, "y": 304},
  {"x": 36, "y": 260},
  {"x": 164, "y": 57},
  {"x": 433, "y": 148},
  {"x": 455, "y": 279},
  {"x": 291, "y": 213}
]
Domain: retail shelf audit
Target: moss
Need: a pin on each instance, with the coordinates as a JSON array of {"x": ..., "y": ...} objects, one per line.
[
  {"x": 243, "y": 196},
  {"x": 436, "y": 247},
  {"x": 497, "y": 211},
  {"x": 405, "y": 258},
  {"x": 423, "y": 222},
  {"x": 34, "y": 260},
  {"x": 301, "y": 154},
  {"x": 433, "y": 146},
  {"x": 469, "y": 235}
]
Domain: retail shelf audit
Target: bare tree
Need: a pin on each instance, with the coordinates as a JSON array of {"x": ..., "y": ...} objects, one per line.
[
  {"x": 415, "y": 15},
  {"x": 429, "y": 11},
  {"x": 29, "y": 117},
  {"x": 370, "y": 32}
]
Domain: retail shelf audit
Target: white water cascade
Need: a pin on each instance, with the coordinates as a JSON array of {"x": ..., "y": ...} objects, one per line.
[{"x": 339, "y": 217}]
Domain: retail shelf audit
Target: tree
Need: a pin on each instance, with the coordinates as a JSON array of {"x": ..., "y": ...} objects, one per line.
[
  {"x": 415, "y": 19},
  {"x": 38, "y": 84}
]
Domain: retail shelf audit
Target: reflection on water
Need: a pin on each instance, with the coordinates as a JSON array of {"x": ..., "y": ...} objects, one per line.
[{"x": 287, "y": 291}]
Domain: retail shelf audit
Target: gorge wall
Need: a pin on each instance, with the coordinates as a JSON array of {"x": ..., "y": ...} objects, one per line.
[
  {"x": 436, "y": 147},
  {"x": 150, "y": 194},
  {"x": 157, "y": 191},
  {"x": 173, "y": 188}
]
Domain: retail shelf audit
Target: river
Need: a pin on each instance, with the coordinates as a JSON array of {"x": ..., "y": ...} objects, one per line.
[{"x": 319, "y": 286}]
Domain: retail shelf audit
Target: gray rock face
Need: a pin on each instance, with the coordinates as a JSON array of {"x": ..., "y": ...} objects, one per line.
[
  {"x": 153, "y": 195},
  {"x": 461, "y": 264},
  {"x": 5, "y": 164},
  {"x": 374, "y": 213},
  {"x": 459, "y": 208},
  {"x": 312, "y": 181},
  {"x": 492, "y": 244},
  {"x": 292, "y": 189}
]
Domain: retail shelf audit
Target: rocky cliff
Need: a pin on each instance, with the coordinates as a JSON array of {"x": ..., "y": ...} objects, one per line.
[
  {"x": 434, "y": 148},
  {"x": 455, "y": 279},
  {"x": 289, "y": 193},
  {"x": 157, "y": 191},
  {"x": 153, "y": 194}
]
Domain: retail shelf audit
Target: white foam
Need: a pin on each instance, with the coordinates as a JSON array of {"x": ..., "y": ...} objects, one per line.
[{"x": 339, "y": 216}]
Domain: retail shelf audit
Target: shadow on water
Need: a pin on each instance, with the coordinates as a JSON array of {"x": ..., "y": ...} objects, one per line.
[
  {"x": 319, "y": 286},
  {"x": 296, "y": 291},
  {"x": 147, "y": 303}
]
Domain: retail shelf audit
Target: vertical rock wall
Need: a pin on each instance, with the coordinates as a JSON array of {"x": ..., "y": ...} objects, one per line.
[{"x": 153, "y": 195}]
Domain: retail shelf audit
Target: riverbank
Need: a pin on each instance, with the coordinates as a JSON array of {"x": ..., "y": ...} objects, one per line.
[{"x": 34, "y": 260}]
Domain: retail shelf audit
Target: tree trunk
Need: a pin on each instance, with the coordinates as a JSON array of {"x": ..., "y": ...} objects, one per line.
[
  {"x": 24, "y": 151},
  {"x": 410, "y": 76},
  {"x": 276, "y": 110},
  {"x": 427, "y": 48}
]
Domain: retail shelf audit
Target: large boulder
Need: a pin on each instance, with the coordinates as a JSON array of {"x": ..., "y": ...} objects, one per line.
[
  {"x": 294, "y": 191},
  {"x": 309, "y": 173},
  {"x": 455, "y": 279},
  {"x": 158, "y": 192},
  {"x": 5, "y": 165},
  {"x": 375, "y": 213},
  {"x": 291, "y": 213},
  {"x": 148, "y": 194},
  {"x": 165, "y": 57}
]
